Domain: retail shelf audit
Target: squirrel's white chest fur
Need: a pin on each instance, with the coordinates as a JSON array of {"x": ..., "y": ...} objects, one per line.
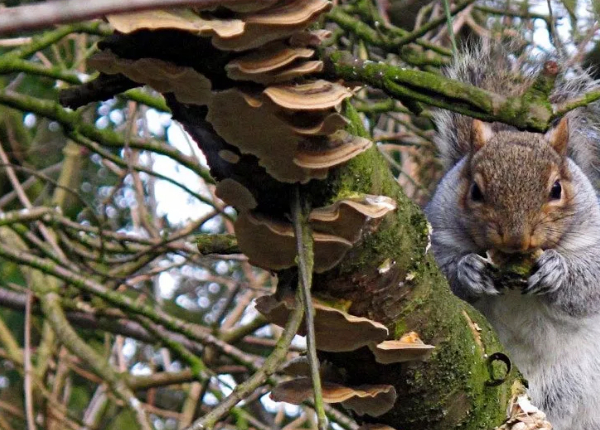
[{"x": 547, "y": 349}]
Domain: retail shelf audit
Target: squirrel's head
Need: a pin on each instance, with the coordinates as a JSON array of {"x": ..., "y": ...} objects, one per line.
[{"x": 517, "y": 192}]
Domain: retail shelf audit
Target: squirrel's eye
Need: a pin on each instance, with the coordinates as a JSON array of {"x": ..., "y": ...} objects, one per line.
[
  {"x": 476, "y": 194},
  {"x": 555, "y": 191}
]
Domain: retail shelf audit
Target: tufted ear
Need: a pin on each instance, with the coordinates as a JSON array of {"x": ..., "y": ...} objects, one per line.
[
  {"x": 481, "y": 133},
  {"x": 558, "y": 136}
]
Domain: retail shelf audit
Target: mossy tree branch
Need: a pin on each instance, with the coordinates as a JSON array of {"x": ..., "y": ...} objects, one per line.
[{"x": 424, "y": 87}]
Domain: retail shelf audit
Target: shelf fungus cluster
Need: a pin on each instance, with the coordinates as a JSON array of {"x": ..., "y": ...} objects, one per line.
[
  {"x": 270, "y": 83},
  {"x": 268, "y": 103},
  {"x": 338, "y": 331}
]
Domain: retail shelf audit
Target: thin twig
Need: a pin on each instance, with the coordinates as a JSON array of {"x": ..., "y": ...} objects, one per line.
[
  {"x": 411, "y": 37},
  {"x": 450, "y": 28},
  {"x": 552, "y": 29},
  {"x": 304, "y": 248},
  {"x": 16, "y": 41},
  {"x": 28, "y": 368}
]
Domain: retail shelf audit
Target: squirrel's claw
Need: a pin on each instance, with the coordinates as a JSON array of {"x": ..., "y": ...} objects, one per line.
[
  {"x": 473, "y": 274},
  {"x": 550, "y": 271}
]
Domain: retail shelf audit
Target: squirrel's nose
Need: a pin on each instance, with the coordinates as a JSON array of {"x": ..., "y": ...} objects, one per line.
[{"x": 516, "y": 241}]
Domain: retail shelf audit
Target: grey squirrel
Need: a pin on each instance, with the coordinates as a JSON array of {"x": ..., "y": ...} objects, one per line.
[{"x": 509, "y": 192}]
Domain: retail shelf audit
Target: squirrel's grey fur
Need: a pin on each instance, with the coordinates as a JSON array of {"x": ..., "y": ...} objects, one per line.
[{"x": 551, "y": 329}]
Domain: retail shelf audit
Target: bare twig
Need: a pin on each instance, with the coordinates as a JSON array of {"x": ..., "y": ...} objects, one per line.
[
  {"x": 304, "y": 249},
  {"x": 450, "y": 28},
  {"x": 16, "y": 41},
  {"x": 27, "y": 365}
]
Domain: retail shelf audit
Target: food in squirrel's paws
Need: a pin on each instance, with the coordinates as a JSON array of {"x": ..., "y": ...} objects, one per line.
[{"x": 512, "y": 270}]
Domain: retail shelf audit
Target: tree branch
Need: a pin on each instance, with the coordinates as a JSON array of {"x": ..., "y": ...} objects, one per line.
[
  {"x": 435, "y": 90},
  {"x": 30, "y": 17}
]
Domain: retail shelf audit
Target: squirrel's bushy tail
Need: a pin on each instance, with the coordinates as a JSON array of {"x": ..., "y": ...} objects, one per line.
[{"x": 497, "y": 67}]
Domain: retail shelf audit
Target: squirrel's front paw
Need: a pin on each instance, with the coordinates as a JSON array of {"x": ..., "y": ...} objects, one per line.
[
  {"x": 473, "y": 274},
  {"x": 549, "y": 273}
]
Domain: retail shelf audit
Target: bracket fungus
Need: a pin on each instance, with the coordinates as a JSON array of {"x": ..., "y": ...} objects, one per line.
[
  {"x": 271, "y": 244},
  {"x": 408, "y": 348},
  {"x": 279, "y": 21},
  {"x": 374, "y": 400},
  {"x": 310, "y": 38},
  {"x": 250, "y": 25},
  {"x": 229, "y": 156},
  {"x": 296, "y": 71},
  {"x": 348, "y": 217},
  {"x": 330, "y": 151},
  {"x": 300, "y": 367},
  {"x": 272, "y": 63},
  {"x": 177, "y": 19},
  {"x": 234, "y": 193},
  {"x": 313, "y": 125},
  {"x": 302, "y": 134},
  {"x": 274, "y": 46},
  {"x": 295, "y": 158},
  {"x": 279, "y": 75},
  {"x": 233, "y": 109},
  {"x": 335, "y": 330},
  {"x": 185, "y": 83},
  {"x": 316, "y": 95}
]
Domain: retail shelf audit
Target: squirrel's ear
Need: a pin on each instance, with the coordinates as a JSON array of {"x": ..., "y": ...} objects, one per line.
[
  {"x": 481, "y": 133},
  {"x": 558, "y": 136}
]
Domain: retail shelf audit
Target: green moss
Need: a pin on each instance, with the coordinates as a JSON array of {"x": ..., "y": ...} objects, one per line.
[{"x": 399, "y": 329}]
